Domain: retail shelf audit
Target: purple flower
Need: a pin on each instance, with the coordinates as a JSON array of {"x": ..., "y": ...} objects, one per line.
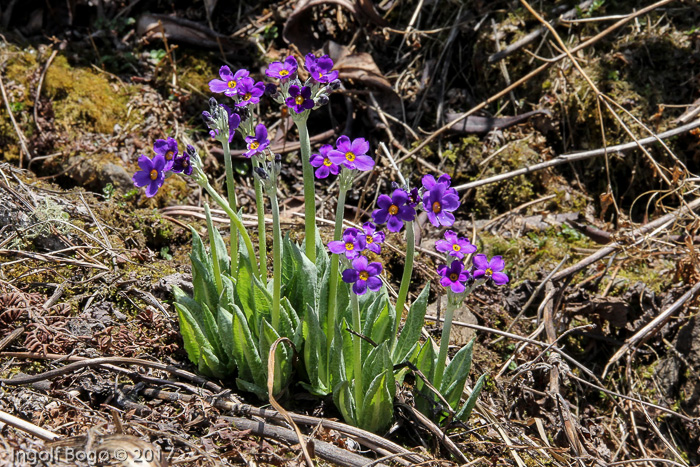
[
  {"x": 182, "y": 163},
  {"x": 151, "y": 175},
  {"x": 413, "y": 197},
  {"x": 352, "y": 154},
  {"x": 439, "y": 202},
  {"x": 454, "y": 245},
  {"x": 320, "y": 68},
  {"x": 363, "y": 276},
  {"x": 490, "y": 269},
  {"x": 282, "y": 70},
  {"x": 234, "y": 120},
  {"x": 453, "y": 276},
  {"x": 249, "y": 92},
  {"x": 300, "y": 99},
  {"x": 394, "y": 210},
  {"x": 429, "y": 181},
  {"x": 257, "y": 144},
  {"x": 166, "y": 148},
  {"x": 372, "y": 237},
  {"x": 351, "y": 245},
  {"x": 229, "y": 83},
  {"x": 324, "y": 164}
]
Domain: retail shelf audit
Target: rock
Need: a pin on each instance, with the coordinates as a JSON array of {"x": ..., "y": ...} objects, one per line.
[{"x": 460, "y": 335}]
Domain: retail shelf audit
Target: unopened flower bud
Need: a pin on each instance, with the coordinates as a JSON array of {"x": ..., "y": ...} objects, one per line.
[
  {"x": 262, "y": 173},
  {"x": 334, "y": 85},
  {"x": 212, "y": 103},
  {"x": 271, "y": 90},
  {"x": 208, "y": 120},
  {"x": 322, "y": 100},
  {"x": 191, "y": 150}
]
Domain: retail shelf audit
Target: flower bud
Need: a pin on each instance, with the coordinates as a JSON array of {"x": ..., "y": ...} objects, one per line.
[
  {"x": 191, "y": 150},
  {"x": 271, "y": 90},
  {"x": 322, "y": 100},
  {"x": 208, "y": 120},
  {"x": 212, "y": 103},
  {"x": 262, "y": 173},
  {"x": 334, "y": 85}
]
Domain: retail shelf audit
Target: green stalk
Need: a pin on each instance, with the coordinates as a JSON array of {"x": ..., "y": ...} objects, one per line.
[
  {"x": 405, "y": 279},
  {"x": 235, "y": 220},
  {"x": 214, "y": 252},
  {"x": 231, "y": 192},
  {"x": 276, "y": 261},
  {"x": 335, "y": 259},
  {"x": 445, "y": 339},
  {"x": 260, "y": 205},
  {"x": 357, "y": 354},
  {"x": 309, "y": 191}
]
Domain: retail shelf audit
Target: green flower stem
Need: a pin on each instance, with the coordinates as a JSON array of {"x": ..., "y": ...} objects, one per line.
[
  {"x": 357, "y": 354},
  {"x": 235, "y": 220},
  {"x": 231, "y": 192},
  {"x": 260, "y": 205},
  {"x": 309, "y": 191},
  {"x": 214, "y": 251},
  {"x": 405, "y": 279},
  {"x": 335, "y": 259},
  {"x": 277, "y": 259},
  {"x": 452, "y": 302}
]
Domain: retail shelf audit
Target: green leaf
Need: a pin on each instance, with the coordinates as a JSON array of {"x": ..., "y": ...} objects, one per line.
[
  {"x": 224, "y": 260},
  {"x": 192, "y": 336},
  {"x": 315, "y": 353},
  {"x": 261, "y": 392},
  {"x": 342, "y": 397},
  {"x": 377, "y": 361},
  {"x": 425, "y": 362},
  {"x": 245, "y": 348},
  {"x": 211, "y": 329},
  {"x": 411, "y": 330},
  {"x": 203, "y": 283},
  {"x": 456, "y": 374},
  {"x": 468, "y": 406},
  {"x": 377, "y": 409},
  {"x": 209, "y": 364}
]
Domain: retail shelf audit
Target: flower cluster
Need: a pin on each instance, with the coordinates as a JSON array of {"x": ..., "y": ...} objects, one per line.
[
  {"x": 349, "y": 154},
  {"x": 351, "y": 245},
  {"x": 456, "y": 276},
  {"x": 166, "y": 160},
  {"x": 435, "y": 197},
  {"x": 311, "y": 94}
]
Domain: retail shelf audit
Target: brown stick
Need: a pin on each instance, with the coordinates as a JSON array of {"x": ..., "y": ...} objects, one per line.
[
  {"x": 534, "y": 73},
  {"x": 640, "y": 232}
]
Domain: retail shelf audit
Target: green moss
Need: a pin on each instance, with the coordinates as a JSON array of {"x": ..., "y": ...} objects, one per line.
[{"x": 83, "y": 98}]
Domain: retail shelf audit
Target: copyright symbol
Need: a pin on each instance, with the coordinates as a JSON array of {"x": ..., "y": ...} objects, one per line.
[{"x": 120, "y": 454}]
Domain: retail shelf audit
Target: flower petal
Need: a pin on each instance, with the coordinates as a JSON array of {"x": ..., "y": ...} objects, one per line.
[
  {"x": 360, "y": 263},
  {"x": 444, "y": 246},
  {"x": 379, "y": 215},
  {"x": 458, "y": 287},
  {"x": 360, "y": 146},
  {"x": 480, "y": 261},
  {"x": 216, "y": 85},
  {"x": 399, "y": 197},
  {"x": 350, "y": 275},
  {"x": 450, "y": 202},
  {"x": 337, "y": 247},
  {"x": 384, "y": 202},
  {"x": 141, "y": 178},
  {"x": 445, "y": 282},
  {"x": 360, "y": 287},
  {"x": 225, "y": 73},
  {"x": 374, "y": 283},
  {"x": 322, "y": 172},
  {"x": 364, "y": 163},
  {"x": 394, "y": 224},
  {"x": 497, "y": 263},
  {"x": 316, "y": 160},
  {"x": 499, "y": 278},
  {"x": 343, "y": 144},
  {"x": 374, "y": 268}
]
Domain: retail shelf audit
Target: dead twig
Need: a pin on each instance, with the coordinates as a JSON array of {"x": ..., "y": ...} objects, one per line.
[
  {"x": 641, "y": 232},
  {"x": 37, "y": 95},
  {"x": 567, "y": 158},
  {"x": 653, "y": 326}
]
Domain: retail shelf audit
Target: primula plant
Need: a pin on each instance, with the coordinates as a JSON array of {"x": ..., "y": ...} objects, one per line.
[{"x": 328, "y": 300}]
